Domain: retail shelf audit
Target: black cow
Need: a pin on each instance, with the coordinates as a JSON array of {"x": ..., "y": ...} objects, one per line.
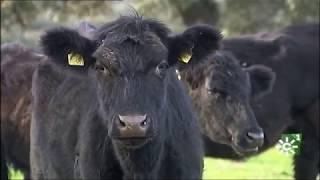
[
  {"x": 245, "y": 132},
  {"x": 221, "y": 91},
  {"x": 17, "y": 66},
  {"x": 121, "y": 112},
  {"x": 293, "y": 105}
]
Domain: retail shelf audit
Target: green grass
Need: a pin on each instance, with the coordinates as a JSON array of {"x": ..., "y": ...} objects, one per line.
[
  {"x": 15, "y": 174},
  {"x": 269, "y": 165}
]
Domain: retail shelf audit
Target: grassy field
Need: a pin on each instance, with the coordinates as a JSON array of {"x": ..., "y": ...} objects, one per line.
[
  {"x": 272, "y": 164},
  {"x": 269, "y": 165}
]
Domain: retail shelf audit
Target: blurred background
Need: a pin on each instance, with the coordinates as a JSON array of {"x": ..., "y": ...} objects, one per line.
[{"x": 25, "y": 20}]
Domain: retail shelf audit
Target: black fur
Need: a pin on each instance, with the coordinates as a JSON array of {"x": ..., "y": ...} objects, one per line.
[
  {"x": 201, "y": 40},
  {"x": 262, "y": 80},
  {"x": 17, "y": 66},
  {"x": 4, "y": 167},
  {"x": 59, "y": 42},
  {"x": 293, "y": 104},
  {"x": 221, "y": 90},
  {"x": 72, "y": 126}
]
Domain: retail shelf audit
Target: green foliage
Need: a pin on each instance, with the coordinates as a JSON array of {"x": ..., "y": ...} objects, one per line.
[
  {"x": 162, "y": 10},
  {"x": 23, "y": 20},
  {"x": 250, "y": 16},
  {"x": 234, "y": 17}
]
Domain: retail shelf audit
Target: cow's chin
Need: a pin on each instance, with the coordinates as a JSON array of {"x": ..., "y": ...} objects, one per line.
[
  {"x": 131, "y": 143},
  {"x": 242, "y": 151},
  {"x": 228, "y": 139}
]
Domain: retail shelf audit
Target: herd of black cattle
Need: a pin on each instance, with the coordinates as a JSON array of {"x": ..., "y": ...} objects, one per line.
[{"x": 122, "y": 112}]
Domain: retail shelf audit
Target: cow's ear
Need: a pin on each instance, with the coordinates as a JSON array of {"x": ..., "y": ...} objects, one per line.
[
  {"x": 67, "y": 48},
  {"x": 195, "y": 43},
  {"x": 262, "y": 80}
]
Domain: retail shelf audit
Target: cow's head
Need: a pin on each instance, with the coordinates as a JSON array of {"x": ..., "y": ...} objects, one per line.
[
  {"x": 130, "y": 61},
  {"x": 224, "y": 90}
]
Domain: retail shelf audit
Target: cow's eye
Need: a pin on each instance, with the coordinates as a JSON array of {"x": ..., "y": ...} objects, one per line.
[
  {"x": 162, "y": 67},
  {"x": 218, "y": 92},
  {"x": 101, "y": 68}
]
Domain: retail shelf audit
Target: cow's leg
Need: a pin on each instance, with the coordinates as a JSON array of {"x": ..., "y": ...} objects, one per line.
[
  {"x": 35, "y": 164},
  {"x": 307, "y": 162},
  {"x": 27, "y": 175},
  {"x": 4, "y": 168},
  {"x": 35, "y": 153}
]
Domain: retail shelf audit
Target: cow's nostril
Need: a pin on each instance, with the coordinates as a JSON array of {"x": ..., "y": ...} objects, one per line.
[
  {"x": 122, "y": 123},
  {"x": 144, "y": 123},
  {"x": 255, "y": 135},
  {"x": 133, "y": 126}
]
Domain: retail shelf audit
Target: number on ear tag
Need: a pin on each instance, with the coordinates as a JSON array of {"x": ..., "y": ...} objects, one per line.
[
  {"x": 75, "y": 59},
  {"x": 185, "y": 57}
]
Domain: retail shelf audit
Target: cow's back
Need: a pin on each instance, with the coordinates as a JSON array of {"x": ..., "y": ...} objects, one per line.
[
  {"x": 303, "y": 58},
  {"x": 17, "y": 66},
  {"x": 58, "y": 104},
  {"x": 292, "y": 52}
]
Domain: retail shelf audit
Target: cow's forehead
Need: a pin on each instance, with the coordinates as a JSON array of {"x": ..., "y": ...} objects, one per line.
[
  {"x": 231, "y": 73},
  {"x": 132, "y": 55},
  {"x": 114, "y": 38},
  {"x": 227, "y": 73},
  {"x": 134, "y": 28},
  {"x": 132, "y": 43}
]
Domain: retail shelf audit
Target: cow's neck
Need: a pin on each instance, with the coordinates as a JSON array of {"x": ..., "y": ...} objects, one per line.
[{"x": 140, "y": 162}]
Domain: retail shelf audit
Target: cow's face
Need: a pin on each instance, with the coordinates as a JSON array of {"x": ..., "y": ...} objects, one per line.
[
  {"x": 131, "y": 62},
  {"x": 225, "y": 94},
  {"x": 132, "y": 77}
]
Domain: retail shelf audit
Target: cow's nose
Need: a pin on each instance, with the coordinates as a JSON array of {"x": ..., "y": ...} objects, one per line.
[
  {"x": 133, "y": 126},
  {"x": 255, "y": 137}
]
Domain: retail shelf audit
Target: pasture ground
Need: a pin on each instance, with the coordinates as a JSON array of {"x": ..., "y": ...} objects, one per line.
[{"x": 272, "y": 164}]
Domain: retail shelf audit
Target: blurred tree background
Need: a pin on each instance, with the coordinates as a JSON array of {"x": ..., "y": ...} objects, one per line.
[{"x": 24, "y": 20}]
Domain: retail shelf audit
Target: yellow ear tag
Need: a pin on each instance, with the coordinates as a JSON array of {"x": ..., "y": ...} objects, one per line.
[
  {"x": 185, "y": 57},
  {"x": 75, "y": 59}
]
